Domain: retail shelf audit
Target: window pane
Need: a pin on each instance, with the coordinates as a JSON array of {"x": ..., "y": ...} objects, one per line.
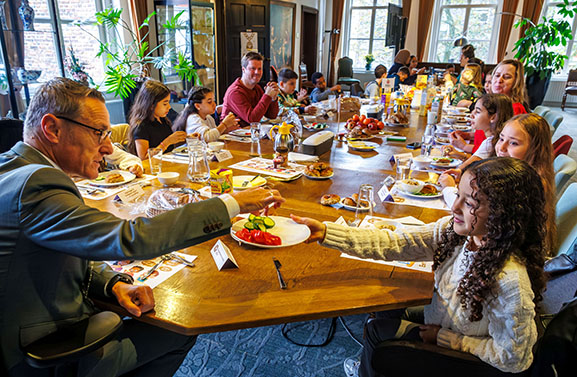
[
  {"x": 361, "y": 23},
  {"x": 380, "y": 31},
  {"x": 39, "y": 51},
  {"x": 362, "y": 3},
  {"x": 40, "y": 8},
  {"x": 447, "y": 53},
  {"x": 481, "y": 49},
  {"x": 455, "y": 2},
  {"x": 483, "y": 1},
  {"x": 358, "y": 48},
  {"x": 479, "y": 19},
  {"x": 85, "y": 49},
  {"x": 384, "y": 3},
  {"x": 76, "y": 9},
  {"x": 452, "y": 23},
  {"x": 383, "y": 55}
]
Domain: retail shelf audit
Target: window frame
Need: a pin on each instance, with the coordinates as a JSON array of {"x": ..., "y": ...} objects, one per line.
[
  {"x": 347, "y": 27},
  {"x": 436, "y": 25}
]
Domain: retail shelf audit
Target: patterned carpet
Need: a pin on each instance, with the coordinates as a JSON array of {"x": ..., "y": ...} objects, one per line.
[{"x": 264, "y": 352}]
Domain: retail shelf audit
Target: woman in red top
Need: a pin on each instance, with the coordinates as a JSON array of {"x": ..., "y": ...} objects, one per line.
[{"x": 509, "y": 79}]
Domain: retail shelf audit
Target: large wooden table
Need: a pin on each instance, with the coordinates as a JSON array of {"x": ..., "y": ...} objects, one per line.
[{"x": 320, "y": 283}]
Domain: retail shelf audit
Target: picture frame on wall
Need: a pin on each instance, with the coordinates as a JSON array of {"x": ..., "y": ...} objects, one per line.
[{"x": 282, "y": 34}]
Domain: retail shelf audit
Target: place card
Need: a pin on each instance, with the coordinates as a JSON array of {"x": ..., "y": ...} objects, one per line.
[
  {"x": 222, "y": 256},
  {"x": 388, "y": 85},
  {"x": 396, "y": 157},
  {"x": 223, "y": 155},
  {"x": 131, "y": 194},
  {"x": 385, "y": 194},
  {"x": 341, "y": 221}
]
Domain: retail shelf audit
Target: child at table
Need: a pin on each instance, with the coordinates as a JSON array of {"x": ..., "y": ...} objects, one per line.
[
  {"x": 490, "y": 114},
  {"x": 469, "y": 88},
  {"x": 488, "y": 264},
  {"x": 197, "y": 116},
  {"x": 526, "y": 137},
  {"x": 149, "y": 126},
  {"x": 289, "y": 98},
  {"x": 320, "y": 92},
  {"x": 401, "y": 76}
]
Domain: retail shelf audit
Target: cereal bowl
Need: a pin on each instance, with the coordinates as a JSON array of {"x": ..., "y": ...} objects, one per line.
[
  {"x": 168, "y": 177},
  {"x": 411, "y": 186},
  {"x": 421, "y": 162},
  {"x": 216, "y": 146}
]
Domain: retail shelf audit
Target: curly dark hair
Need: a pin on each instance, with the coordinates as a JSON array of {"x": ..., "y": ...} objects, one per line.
[{"x": 516, "y": 226}]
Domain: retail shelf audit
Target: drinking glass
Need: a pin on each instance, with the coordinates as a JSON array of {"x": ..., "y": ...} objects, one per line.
[
  {"x": 332, "y": 101},
  {"x": 427, "y": 140},
  {"x": 155, "y": 160},
  {"x": 255, "y": 132},
  {"x": 366, "y": 197},
  {"x": 403, "y": 168}
]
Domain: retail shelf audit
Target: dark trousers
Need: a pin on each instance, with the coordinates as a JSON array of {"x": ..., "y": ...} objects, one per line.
[
  {"x": 391, "y": 324},
  {"x": 139, "y": 349}
]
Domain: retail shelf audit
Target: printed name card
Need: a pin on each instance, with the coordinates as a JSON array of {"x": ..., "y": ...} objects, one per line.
[
  {"x": 388, "y": 85},
  {"x": 223, "y": 155},
  {"x": 385, "y": 194},
  {"x": 222, "y": 256},
  {"x": 131, "y": 194},
  {"x": 341, "y": 221},
  {"x": 396, "y": 157}
]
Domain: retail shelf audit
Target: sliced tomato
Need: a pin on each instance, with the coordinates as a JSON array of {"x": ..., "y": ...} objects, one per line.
[
  {"x": 258, "y": 236},
  {"x": 271, "y": 239},
  {"x": 244, "y": 234}
]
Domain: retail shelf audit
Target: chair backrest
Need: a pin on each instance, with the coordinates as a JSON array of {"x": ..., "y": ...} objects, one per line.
[
  {"x": 564, "y": 168},
  {"x": 566, "y": 218},
  {"x": 554, "y": 119},
  {"x": 11, "y": 131},
  {"x": 571, "y": 78},
  {"x": 345, "y": 67},
  {"x": 120, "y": 133},
  {"x": 562, "y": 145},
  {"x": 541, "y": 110}
]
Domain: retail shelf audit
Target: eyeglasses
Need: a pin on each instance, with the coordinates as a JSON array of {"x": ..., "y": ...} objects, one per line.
[{"x": 102, "y": 134}]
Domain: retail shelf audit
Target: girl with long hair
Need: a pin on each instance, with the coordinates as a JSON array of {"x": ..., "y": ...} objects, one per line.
[
  {"x": 149, "y": 126},
  {"x": 509, "y": 79},
  {"x": 197, "y": 116},
  {"x": 488, "y": 263}
]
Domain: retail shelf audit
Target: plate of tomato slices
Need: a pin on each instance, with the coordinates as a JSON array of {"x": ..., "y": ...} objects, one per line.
[{"x": 285, "y": 232}]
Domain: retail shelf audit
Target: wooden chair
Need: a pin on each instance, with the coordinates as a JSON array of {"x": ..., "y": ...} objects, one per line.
[
  {"x": 345, "y": 72},
  {"x": 304, "y": 78},
  {"x": 570, "y": 87}
]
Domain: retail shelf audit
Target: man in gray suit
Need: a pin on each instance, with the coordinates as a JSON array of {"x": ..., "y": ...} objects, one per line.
[{"x": 52, "y": 244}]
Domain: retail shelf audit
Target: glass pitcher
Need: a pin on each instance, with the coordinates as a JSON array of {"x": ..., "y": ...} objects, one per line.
[{"x": 198, "y": 169}]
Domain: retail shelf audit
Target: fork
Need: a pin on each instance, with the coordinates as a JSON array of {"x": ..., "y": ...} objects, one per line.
[
  {"x": 163, "y": 259},
  {"x": 246, "y": 181},
  {"x": 277, "y": 265},
  {"x": 181, "y": 260}
]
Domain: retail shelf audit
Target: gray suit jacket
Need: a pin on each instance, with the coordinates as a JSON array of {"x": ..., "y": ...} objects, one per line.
[{"x": 48, "y": 236}]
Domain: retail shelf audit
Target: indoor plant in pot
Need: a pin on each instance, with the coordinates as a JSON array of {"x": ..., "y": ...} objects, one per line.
[
  {"x": 369, "y": 59},
  {"x": 128, "y": 61},
  {"x": 536, "y": 49}
]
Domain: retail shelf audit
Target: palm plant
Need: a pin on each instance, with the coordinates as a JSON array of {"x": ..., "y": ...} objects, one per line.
[{"x": 127, "y": 64}]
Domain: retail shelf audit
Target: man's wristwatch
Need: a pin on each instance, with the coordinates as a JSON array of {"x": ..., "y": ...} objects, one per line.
[{"x": 115, "y": 279}]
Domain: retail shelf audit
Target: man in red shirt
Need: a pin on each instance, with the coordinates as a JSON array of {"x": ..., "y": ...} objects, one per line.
[{"x": 246, "y": 99}]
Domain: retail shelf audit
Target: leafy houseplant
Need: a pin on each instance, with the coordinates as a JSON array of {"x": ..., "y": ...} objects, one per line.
[
  {"x": 369, "y": 59},
  {"x": 535, "y": 49},
  {"x": 127, "y": 64},
  {"x": 76, "y": 69}
]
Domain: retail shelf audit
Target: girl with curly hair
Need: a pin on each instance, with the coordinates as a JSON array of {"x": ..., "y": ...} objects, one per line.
[{"x": 488, "y": 263}]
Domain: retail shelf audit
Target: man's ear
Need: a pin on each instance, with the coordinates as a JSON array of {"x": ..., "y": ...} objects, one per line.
[{"x": 51, "y": 129}]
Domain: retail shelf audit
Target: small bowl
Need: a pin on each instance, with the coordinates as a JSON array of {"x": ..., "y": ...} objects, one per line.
[
  {"x": 443, "y": 127},
  {"x": 168, "y": 177},
  {"x": 216, "y": 146},
  {"x": 413, "y": 187},
  {"x": 422, "y": 162}
]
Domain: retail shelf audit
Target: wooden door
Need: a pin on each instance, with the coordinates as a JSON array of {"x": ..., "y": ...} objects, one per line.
[
  {"x": 309, "y": 39},
  {"x": 243, "y": 15}
]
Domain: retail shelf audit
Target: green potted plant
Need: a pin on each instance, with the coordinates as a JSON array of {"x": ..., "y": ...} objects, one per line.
[
  {"x": 535, "y": 49},
  {"x": 128, "y": 62},
  {"x": 369, "y": 59}
]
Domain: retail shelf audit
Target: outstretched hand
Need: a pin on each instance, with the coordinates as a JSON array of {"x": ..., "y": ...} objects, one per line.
[
  {"x": 318, "y": 229},
  {"x": 136, "y": 299},
  {"x": 258, "y": 198}
]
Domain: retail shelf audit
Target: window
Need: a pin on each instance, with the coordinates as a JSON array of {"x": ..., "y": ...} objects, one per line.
[
  {"x": 550, "y": 11},
  {"x": 476, "y": 20},
  {"x": 367, "y": 29}
]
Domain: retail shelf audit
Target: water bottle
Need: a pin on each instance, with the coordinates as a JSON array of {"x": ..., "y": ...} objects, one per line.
[{"x": 198, "y": 169}]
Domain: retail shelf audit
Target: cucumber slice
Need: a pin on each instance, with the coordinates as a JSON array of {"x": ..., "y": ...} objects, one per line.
[
  {"x": 250, "y": 226},
  {"x": 261, "y": 227},
  {"x": 251, "y": 217},
  {"x": 268, "y": 222}
]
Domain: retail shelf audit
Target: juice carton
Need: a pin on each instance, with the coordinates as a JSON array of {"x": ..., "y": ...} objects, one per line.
[{"x": 220, "y": 181}]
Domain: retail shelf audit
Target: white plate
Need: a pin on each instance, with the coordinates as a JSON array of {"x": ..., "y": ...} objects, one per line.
[
  {"x": 362, "y": 145},
  {"x": 128, "y": 177},
  {"x": 461, "y": 127},
  {"x": 237, "y": 181},
  {"x": 438, "y": 195},
  {"x": 452, "y": 164},
  {"x": 354, "y": 208},
  {"x": 310, "y": 127},
  {"x": 442, "y": 140},
  {"x": 289, "y": 232},
  {"x": 319, "y": 178},
  {"x": 240, "y": 132},
  {"x": 181, "y": 151},
  {"x": 390, "y": 124}
]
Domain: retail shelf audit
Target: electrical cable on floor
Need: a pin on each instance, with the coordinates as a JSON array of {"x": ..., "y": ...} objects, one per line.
[
  {"x": 328, "y": 339},
  {"x": 342, "y": 321}
]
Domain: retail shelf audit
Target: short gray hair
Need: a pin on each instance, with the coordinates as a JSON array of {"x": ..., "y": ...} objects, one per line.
[{"x": 59, "y": 96}]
